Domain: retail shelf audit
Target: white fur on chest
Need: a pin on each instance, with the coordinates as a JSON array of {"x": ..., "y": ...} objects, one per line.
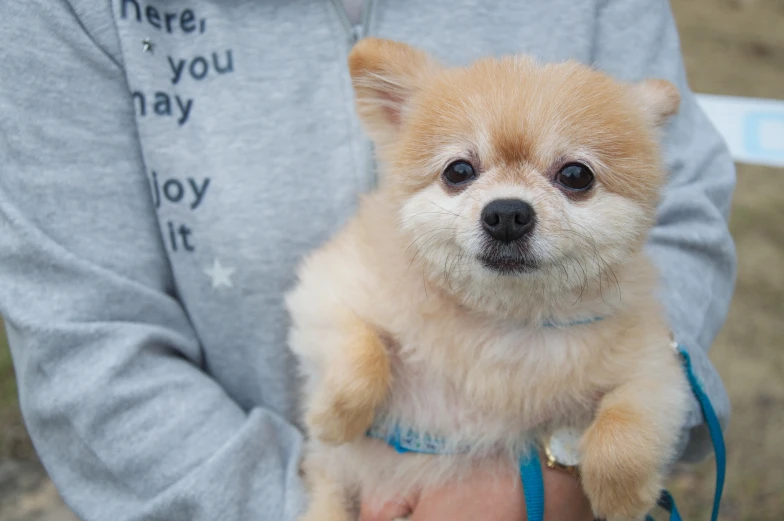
[{"x": 489, "y": 390}]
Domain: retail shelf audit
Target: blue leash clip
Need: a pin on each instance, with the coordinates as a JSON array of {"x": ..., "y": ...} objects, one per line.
[{"x": 531, "y": 474}]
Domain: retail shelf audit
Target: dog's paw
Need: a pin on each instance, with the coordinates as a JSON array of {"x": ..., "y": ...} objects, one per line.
[{"x": 620, "y": 467}]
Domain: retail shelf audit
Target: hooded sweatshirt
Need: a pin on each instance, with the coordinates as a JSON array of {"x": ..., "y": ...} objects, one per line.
[{"x": 166, "y": 164}]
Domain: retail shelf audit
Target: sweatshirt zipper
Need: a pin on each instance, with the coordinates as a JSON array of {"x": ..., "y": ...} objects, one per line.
[{"x": 354, "y": 33}]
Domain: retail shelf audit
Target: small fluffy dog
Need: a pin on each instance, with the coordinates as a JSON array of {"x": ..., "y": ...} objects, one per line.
[{"x": 462, "y": 299}]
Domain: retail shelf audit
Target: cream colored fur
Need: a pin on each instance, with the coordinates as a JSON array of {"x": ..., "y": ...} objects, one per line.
[{"x": 396, "y": 320}]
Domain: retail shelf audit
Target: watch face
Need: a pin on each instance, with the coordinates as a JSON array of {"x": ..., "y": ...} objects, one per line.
[{"x": 564, "y": 445}]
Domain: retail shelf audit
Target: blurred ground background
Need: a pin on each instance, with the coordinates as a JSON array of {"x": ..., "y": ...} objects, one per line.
[{"x": 733, "y": 47}]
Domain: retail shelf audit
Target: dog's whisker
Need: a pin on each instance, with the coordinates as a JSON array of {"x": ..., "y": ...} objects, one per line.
[{"x": 442, "y": 208}]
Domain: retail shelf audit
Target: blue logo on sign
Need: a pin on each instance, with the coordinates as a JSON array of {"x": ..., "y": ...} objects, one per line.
[{"x": 763, "y": 135}]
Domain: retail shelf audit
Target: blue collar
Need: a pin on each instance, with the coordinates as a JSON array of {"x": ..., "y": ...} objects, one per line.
[
  {"x": 408, "y": 440},
  {"x": 563, "y": 325}
]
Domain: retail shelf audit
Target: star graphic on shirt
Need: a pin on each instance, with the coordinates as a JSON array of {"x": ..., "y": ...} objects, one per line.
[{"x": 220, "y": 275}]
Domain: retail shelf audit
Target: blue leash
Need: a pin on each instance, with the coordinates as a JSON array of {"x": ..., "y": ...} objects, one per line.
[
  {"x": 533, "y": 486},
  {"x": 717, "y": 438},
  {"x": 531, "y": 473}
]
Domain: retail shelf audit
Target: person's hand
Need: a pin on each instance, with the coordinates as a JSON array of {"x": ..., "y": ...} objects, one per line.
[{"x": 489, "y": 494}]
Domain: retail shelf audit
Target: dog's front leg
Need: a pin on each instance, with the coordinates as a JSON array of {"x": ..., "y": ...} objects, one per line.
[
  {"x": 626, "y": 449},
  {"x": 355, "y": 380}
]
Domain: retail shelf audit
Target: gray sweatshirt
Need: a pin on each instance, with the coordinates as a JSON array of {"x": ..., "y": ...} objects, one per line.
[{"x": 165, "y": 164}]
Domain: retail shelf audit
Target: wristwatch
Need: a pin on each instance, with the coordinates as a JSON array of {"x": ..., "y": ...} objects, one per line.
[{"x": 561, "y": 450}]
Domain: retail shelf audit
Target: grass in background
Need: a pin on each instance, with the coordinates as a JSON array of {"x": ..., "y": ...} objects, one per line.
[
  {"x": 14, "y": 442},
  {"x": 7, "y": 382}
]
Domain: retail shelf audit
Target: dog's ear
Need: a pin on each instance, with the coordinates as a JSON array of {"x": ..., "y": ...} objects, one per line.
[
  {"x": 659, "y": 99},
  {"x": 385, "y": 75}
]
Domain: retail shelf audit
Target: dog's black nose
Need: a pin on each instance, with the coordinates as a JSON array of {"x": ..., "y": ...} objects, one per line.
[{"x": 507, "y": 220}]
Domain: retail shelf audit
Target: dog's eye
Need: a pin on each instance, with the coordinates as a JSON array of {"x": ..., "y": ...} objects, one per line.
[
  {"x": 575, "y": 176},
  {"x": 459, "y": 172}
]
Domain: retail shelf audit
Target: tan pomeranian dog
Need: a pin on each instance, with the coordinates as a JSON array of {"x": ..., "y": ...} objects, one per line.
[{"x": 494, "y": 288}]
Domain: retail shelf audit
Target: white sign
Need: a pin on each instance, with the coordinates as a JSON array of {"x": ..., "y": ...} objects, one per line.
[{"x": 753, "y": 128}]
